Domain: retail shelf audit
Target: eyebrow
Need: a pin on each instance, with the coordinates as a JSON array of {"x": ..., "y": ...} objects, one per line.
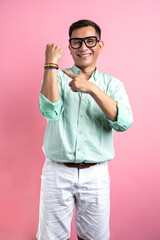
[{"x": 84, "y": 38}]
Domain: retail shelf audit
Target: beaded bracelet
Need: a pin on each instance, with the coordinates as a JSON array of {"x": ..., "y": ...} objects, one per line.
[{"x": 51, "y": 65}]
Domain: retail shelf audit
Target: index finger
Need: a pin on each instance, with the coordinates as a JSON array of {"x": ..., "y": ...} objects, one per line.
[{"x": 71, "y": 75}]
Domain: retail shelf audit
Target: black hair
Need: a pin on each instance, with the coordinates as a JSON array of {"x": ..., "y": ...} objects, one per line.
[{"x": 84, "y": 23}]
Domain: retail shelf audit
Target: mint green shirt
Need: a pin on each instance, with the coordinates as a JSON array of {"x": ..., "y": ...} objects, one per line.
[{"x": 77, "y": 129}]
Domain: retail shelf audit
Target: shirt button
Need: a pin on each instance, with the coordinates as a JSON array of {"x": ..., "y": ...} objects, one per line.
[
  {"x": 81, "y": 116},
  {"x": 83, "y": 100},
  {"x": 78, "y": 149},
  {"x": 80, "y": 132}
]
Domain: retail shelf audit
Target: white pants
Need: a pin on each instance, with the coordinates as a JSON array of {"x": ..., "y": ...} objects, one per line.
[{"x": 63, "y": 187}]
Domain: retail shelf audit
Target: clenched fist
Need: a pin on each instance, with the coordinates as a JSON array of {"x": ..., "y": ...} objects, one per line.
[{"x": 53, "y": 53}]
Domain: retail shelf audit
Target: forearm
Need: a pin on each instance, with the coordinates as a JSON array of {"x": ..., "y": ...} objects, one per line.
[
  {"x": 105, "y": 102},
  {"x": 50, "y": 85}
]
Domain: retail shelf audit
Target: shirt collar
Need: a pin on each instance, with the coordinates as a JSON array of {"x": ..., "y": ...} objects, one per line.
[{"x": 77, "y": 71}]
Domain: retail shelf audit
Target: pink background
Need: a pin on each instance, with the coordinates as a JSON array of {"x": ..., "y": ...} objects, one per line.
[{"x": 131, "y": 33}]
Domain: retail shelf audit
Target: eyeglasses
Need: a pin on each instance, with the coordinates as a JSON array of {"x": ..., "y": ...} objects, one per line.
[{"x": 90, "y": 42}]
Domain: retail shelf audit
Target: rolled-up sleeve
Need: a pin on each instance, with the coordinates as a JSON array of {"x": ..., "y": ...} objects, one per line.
[
  {"x": 49, "y": 110},
  {"x": 124, "y": 116}
]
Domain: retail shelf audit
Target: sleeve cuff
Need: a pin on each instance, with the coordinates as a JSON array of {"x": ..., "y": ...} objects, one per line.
[
  {"x": 50, "y": 110},
  {"x": 124, "y": 119}
]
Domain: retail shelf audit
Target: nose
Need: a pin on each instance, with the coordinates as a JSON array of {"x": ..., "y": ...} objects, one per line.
[{"x": 83, "y": 46}]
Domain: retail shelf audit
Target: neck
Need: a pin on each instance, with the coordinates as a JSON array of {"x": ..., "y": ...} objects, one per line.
[{"x": 87, "y": 71}]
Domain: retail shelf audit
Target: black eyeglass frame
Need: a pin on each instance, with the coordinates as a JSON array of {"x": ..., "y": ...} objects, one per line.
[{"x": 83, "y": 40}]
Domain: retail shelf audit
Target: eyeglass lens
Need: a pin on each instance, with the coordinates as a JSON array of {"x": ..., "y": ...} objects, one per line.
[{"x": 89, "y": 41}]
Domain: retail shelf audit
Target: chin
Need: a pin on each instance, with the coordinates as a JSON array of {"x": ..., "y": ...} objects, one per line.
[{"x": 83, "y": 65}]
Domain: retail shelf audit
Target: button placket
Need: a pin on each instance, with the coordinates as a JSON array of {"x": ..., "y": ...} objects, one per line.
[
  {"x": 79, "y": 153},
  {"x": 79, "y": 137}
]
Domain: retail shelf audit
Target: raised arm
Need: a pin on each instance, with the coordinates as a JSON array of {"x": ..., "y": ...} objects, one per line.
[{"x": 50, "y": 85}]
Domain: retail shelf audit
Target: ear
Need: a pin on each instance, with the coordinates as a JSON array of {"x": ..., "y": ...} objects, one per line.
[
  {"x": 101, "y": 45},
  {"x": 69, "y": 47}
]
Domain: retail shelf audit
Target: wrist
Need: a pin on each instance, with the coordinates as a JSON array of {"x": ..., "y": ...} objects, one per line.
[
  {"x": 92, "y": 89},
  {"x": 51, "y": 65},
  {"x": 51, "y": 61}
]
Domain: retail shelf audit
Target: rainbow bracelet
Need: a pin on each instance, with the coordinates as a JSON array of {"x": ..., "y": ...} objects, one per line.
[{"x": 51, "y": 65}]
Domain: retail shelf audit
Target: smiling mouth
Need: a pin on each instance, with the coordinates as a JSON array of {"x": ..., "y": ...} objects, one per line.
[{"x": 84, "y": 55}]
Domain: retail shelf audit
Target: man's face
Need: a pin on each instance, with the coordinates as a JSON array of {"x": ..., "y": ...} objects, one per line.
[{"x": 85, "y": 57}]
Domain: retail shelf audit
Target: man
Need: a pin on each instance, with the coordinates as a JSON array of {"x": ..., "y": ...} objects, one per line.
[{"x": 82, "y": 107}]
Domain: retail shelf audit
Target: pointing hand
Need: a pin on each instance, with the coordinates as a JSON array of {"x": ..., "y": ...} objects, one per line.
[{"x": 78, "y": 84}]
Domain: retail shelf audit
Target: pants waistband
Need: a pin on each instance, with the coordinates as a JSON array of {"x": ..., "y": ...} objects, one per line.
[{"x": 78, "y": 165}]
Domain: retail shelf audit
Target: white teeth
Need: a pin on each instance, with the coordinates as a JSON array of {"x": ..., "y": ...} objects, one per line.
[{"x": 84, "y": 55}]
